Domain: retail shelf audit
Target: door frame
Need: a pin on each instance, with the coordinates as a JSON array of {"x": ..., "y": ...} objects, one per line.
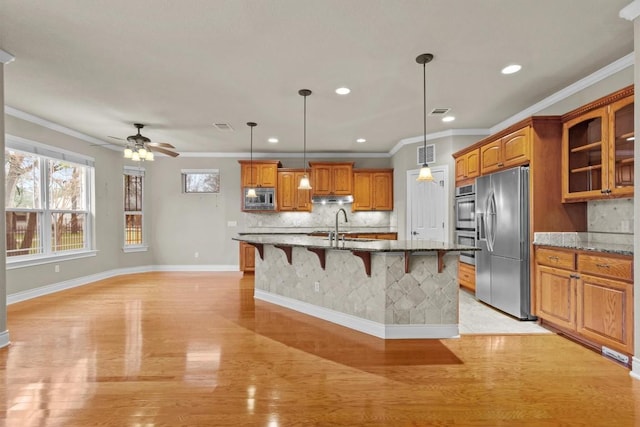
[{"x": 411, "y": 175}]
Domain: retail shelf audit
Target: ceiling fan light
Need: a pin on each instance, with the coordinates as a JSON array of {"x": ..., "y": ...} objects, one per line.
[
  {"x": 150, "y": 156},
  {"x": 251, "y": 193},
  {"x": 304, "y": 183},
  {"x": 128, "y": 152},
  {"x": 135, "y": 157},
  {"x": 425, "y": 174},
  {"x": 142, "y": 152}
]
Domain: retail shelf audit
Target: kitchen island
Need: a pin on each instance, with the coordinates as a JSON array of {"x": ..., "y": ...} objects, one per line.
[{"x": 386, "y": 288}]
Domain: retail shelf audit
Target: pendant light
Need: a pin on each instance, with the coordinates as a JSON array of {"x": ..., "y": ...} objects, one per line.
[
  {"x": 251, "y": 192},
  {"x": 304, "y": 181},
  {"x": 425, "y": 171}
]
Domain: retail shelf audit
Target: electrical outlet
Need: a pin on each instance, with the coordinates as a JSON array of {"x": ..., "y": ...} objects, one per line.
[
  {"x": 196, "y": 255},
  {"x": 316, "y": 286},
  {"x": 56, "y": 268}
]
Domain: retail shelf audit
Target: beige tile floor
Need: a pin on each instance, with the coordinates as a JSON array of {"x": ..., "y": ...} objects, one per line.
[{"x": 479, "y": 318}]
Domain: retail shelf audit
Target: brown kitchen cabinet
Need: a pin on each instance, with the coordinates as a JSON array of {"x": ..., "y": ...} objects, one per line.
[
  {"x": 588, "y": 295},
  {"x": 467, "y": 167},
  {"x": 247, "y": 258},
  {"x": 598, "y": 149},
  {"x": 508, "y": 151},
  {"x": 332, "y": 178},
  {"x": 263, "y": 173},
  {"x": 372, "y": 190},
  {"x": 289, "y": 197},
  {"x": 467, "y": 276}
]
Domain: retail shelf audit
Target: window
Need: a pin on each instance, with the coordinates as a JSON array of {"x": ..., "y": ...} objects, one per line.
[
  {"x": 47, "y": 201},
  {"x": 133, "y": 211},
  {"x": 200, "y": 181}
]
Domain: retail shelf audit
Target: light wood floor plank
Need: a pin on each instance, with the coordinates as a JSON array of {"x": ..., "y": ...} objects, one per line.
[{"x": 195, "y": 349}]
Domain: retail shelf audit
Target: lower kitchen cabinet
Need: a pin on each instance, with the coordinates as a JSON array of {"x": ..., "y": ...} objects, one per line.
[
  {"x": 467, "y": 276},
  {"x": 587, "y": 295},
  {"x": 247, "y": 258}
]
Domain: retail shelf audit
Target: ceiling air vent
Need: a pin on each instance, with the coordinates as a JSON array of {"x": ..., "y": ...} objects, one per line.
[
  {"x": 431, "y": 154},
  {"x": 224, "y": 127},
  {"x": 439, "y": 111}
]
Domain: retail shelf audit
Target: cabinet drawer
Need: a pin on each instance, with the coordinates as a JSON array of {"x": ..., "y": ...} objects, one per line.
[
  {"x": 617, "y": 268},
  {"x": 555, "y": 258},
  {"x": 467, "y": 275}
]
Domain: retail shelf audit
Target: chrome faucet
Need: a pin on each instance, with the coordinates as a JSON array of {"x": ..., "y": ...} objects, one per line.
[{"x": 336, "y": 234}]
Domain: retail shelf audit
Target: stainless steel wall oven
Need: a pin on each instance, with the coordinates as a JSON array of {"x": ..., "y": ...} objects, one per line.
[{"x": 465, "y": 207}]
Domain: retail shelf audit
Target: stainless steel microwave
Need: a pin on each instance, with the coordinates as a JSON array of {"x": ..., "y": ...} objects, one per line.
[{"x": 265, "y": 200}]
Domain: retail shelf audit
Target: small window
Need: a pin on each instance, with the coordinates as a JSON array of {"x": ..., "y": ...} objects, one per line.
[
  {"x": 200, "y": 181},
  {"x": 133, "y": 210}
]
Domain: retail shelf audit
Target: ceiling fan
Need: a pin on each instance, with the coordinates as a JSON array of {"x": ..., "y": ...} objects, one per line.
[{"x": 139, "y": 147}]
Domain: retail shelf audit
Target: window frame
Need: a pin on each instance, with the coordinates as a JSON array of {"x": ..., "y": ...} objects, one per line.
[
  {"x": 46, "y": 153},
  {"x": 137, "y": 247}
]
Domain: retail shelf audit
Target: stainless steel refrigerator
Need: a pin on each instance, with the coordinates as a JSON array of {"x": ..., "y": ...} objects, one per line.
[{"x": 502, "y": 265}]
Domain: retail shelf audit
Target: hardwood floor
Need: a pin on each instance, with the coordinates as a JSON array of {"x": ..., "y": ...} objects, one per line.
[{"x": 195, "y": 349}]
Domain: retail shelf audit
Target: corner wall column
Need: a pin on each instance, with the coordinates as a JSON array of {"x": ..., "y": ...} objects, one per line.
[{"x": 5, "y": 58}]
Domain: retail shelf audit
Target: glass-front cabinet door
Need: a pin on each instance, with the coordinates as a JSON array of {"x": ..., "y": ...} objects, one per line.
[
  {"x": 623, "y": 141},
  {"x": 585, "y": 154}
]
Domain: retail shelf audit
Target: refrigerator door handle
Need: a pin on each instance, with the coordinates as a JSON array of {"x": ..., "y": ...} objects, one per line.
[
  {"x": 490, "y": 220},
  {"x": 480, "y": 227}
]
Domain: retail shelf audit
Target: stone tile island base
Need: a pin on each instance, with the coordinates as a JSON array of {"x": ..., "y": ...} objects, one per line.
[{"x": 390, "y": 304}]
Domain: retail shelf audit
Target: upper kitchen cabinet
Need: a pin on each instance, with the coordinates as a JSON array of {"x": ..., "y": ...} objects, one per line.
[
  {"x": 263, "y": 173},
  {"x": 331, "y": 178},
  {"x": 508, "y": 151},
  {"x": 289, "y": 197},
  {"x": 372, "y": 190},
  {"x": 598, "y": 149},
  {"x": 467, "y": 166}
]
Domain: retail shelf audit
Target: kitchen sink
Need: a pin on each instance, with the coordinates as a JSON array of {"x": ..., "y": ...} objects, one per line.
[{"x": 354, "y": 239}]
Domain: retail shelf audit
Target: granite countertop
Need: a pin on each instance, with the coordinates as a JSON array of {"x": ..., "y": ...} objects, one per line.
[
  {"x": 592, "y": 242},
  {"x": 299, "y": 231},
  {"x": 353, "y": 244}
]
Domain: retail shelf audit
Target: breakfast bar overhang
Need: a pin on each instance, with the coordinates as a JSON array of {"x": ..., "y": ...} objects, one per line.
[{"x": 391, "y": 289}]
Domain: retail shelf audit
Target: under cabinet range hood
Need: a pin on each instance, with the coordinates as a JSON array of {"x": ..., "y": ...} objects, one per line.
[{"x": 336, "y": 200}]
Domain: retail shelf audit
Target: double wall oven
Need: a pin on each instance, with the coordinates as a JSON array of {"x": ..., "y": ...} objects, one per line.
[{"x": 465, "y": 209}]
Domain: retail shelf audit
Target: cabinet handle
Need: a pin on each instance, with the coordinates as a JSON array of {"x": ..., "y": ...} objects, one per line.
[
  {"x": 574, "y": 276},
  {"x": 500, "y": 164},
  {"x": 553, "y": 258},
  {"x": 603, "y": 265}
]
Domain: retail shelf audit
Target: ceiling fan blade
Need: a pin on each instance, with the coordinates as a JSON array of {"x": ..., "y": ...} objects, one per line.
[
  {"x": 160, "y": 144},
  {"x": 115, "y": 137},
  {"x": 164, "y": 151}
]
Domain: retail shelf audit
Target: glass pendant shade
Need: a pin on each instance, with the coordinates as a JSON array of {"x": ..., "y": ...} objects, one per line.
[
  {"x": 425, "y": 174},
  {"x": 135, "y": 157},
  {"x": 142, "y": 153},
  {"x": 150, "y": 156},
  {"x": 251, "y": 193},
  {"x": 128, "y": 152},
  {"x": 304, "y": 183}
]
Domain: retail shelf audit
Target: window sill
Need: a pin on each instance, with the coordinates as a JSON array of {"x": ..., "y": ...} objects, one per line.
[
  {"x": 136, "y": 248},
  {"x": 30, "y": 261}
]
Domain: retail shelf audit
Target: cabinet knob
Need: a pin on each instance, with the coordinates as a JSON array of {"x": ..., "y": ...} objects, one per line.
[{"x": 500, "y": 164}]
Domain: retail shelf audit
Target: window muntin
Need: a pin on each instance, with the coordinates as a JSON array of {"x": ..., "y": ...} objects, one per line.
[{"x": 45, "y": 194}]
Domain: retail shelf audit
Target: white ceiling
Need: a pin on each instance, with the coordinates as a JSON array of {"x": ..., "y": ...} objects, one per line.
[{"x": 179, "y": 66}]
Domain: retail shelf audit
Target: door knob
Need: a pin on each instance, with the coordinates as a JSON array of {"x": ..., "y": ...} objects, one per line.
[{"x": 415, "y": 233}]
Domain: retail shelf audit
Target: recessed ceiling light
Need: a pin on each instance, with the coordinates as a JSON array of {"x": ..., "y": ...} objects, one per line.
[
  {"x": 273, "y": 140},
  {"x": 361, "y": 140},
  {"x": 448, "y": 118},
  {"x": 510, "y": 69},
  {"x": 343, "y": 90}
]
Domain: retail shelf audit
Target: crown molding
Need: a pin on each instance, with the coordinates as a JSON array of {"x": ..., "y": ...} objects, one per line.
[
  {"x": 6, "y": 57},
  {"x": 631, "y": 11},
  {"x": 291, "y": 155}
]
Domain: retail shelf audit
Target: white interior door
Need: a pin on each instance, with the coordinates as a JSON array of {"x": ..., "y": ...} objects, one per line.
[{"x": 427, "y": 207}]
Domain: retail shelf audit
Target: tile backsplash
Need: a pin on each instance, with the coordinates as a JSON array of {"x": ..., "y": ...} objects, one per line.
[
  {"x": 610, "y": 216},
  {"x": 322, "y": 217}
]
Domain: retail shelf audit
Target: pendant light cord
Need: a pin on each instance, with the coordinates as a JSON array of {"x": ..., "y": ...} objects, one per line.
[
  {"x": 424, "y": 100},
  {"x": 251, "y": 161},
  {"x": 304, "y": 139}
]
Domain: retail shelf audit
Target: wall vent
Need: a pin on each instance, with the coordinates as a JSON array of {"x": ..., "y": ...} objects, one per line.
[
  {"x": 439, "y": 111},
  {"x": 224, "y": 127},
  {"x": 431, "y": 154}
]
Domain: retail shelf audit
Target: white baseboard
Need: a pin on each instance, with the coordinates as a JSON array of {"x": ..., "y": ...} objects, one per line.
[
  {"x": 635, "y": 368},
  {"x": 4, "y": 339},
  {"x": 85, "y": 280},
  {"x": 376, "y": 329}
]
